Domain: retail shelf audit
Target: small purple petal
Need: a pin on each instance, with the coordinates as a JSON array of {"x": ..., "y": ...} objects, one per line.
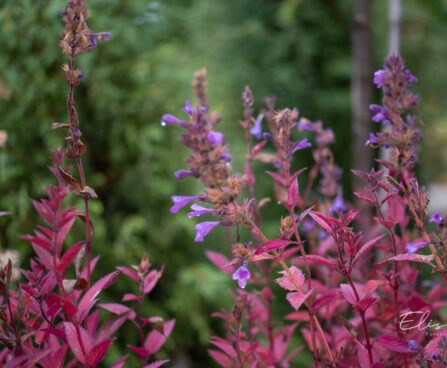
[
  {"x": 199, "y": 210},
  {"x": 304, "y": 126},
  {"x": 256, "y": 130},
  {"x": 436, "y": 217},
  {"x": 413, "y": 345},
  {"x": 182, "y": 174},
  {"x": 339, "y": 204},
  {"x": 413, "y": 248},
  {"x": 378, "y": 78},
  {"x": 410, "y": 77},
  {"x": 308, "y": 225},
  {"x": 180, "y": 202},
  {"x": 268, "y": 136},
  {"x": 188, "y": 108},
  {"x": 303, "y": 143},
  {"x": 372, "y": 139},
  {"x": 242, "y": 275},
  {"x": 226, "y": 157},
  {"x": 169, "y": 119},
  {"x": 322, "y": 234},
  {"x": 215, "y": 137},
  {"x": 203, "y": 229}
]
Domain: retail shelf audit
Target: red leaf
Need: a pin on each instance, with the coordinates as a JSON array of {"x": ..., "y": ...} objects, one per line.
[
  {"x": 323, "y": 221},
  {"x": 408, "y": 257},
  {"x": 65, "y": 304},
  {"x": 225, "y": 346},
  {"x": 73, "y": 340},
  {"x": 365, "y": 248},
  {"x": 365, "y": 303},
  {"x": 293, "y": 193},
  {"x": 248, "y": 173},
  {"x": 41, "y": 241},
  {"x": 317, "y": 259},
  {"x": 68, "y": 256},
  {"x": 394, "y": 344},
  {"x": 324, "y": 299},
  {"x": 89, "y": 298},
  {"x": 220, "y": 261},
  {"x": 142, "y": 352},
  {"x": 270, "y": 245},
  {"x": 221, "y": 358},
  {"x": 395, "y": 211},
  {"x": 110, "y": 326},
  {"x": 129, "y": 273},
  {"x": 98, "y": 352},
  {"x": 367, "y": 197},
  {"x": 296, "y": 299},
  {"x": 278, "y": 178},
  {"x": 156, "y": 364}
]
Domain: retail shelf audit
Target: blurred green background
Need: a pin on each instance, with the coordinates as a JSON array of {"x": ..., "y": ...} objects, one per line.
[{"x": 298, "y": 50}]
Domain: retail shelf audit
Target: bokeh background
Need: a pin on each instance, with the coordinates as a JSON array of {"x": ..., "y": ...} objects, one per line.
[{"x": 297, "y": 50}]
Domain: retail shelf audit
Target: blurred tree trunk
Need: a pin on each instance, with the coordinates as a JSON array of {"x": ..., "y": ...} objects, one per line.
[
  {"x": 394, "y": 21},
  {"x": 361, "y": 84}
]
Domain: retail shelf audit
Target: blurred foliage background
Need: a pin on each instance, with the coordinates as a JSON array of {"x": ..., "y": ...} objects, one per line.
[{"x": 298, "y": 50}]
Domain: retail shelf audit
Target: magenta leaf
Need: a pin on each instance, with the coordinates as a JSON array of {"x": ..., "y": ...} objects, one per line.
[
  {"x": 365, "y": 248},
  {"x": 119, "y": 363},
  {"x": 348, "y": 293},
  {"x": 98, "y": 352},
  {"x": 110, "y": 326},
  {"x": 73, "y": 341},
  {"x": 270, "y": 245},
  {"x": 395, "y": 211},
  {"x": 142, "y": 352},
  {"x": 365, "y": 303},
  {"x": 323, "y": 221},
  {"x": 155, "y": 339},
  {"x": 408, "y": 257},
  {"x": 293, "y": 194},
  {"x": 317, "y": 259},
  {"x": 68, "y": 256},
  {"x": 278, "y": 178},
  {"x": 156, "y": 364},
  {"x": 221, "y": 358},
  {"x": 366, "y": 197},
  {"x": 225, "y": 346},
  {"x": 296, "y": 299},
  {"x": 288, "y": 283},
  {"x": 220, "y": 261},
  {"x": 129, "y": 273},
  {"x": 326, "y": 298},
  {"x": 394, "y": 344}
]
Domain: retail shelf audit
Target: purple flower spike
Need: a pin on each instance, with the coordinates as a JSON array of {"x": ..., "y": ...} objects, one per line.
[
  {"x": 436, "y": 217},
  {"x": 180, "y": 202},
  {"x": 413, "y": 345},
  {"x": 268, "y": 136},
  {"x": 256, "y": 130},
  {"x": 378, "y": 78},
  {"x": 203, "y": 229},
  {"x": 303, "y": 143},
  {"x": 215, "y": 137},
  {"x": 304, "y": 126},
  {"x": 410, "y": 77},
  {"x": 169, "y": 119},
  {"x": 182, "y": 174},
  {"x": 199, "y": 211},
  {"x": 413, "y": 248},
  {"x": 372, "y": 139},
  {"x": 242, "y": 275}
]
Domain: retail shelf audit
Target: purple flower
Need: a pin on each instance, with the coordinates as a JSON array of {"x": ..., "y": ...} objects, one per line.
[
  {"x": 242, "y": 275},
  {"x": 169, "y": 119},
  {"x": 268, "y": 136},
  {"x": 199, "y": 210},
  {"x": 379, "y": 114},
  {"x": 182, "y": 174},
  {"x": 215, "y": 137},
  {"x": 378, "y": 78},
  {"x": 413, "y": 345},
  {"x": 372, "y": 139},
  {"x": 339, "y": 204},
  {"x": 413, "y": 248},
  {"x": 322, "y": 234},
  {"x": 308, "y": 225},
  {"x": 226, "y": 157},
  {"x": 436, "y": 356},
  {"x": 305, "y": 126},
  {"x": 410, "y": 77},
  {"x": 188, "y": 108},
  {"x": 436, "y": 217},
  {"x": 203, "y": 229},
  {"x": 303, "y": 143},
  {"x": 256, "y": 130},
  {"x": 180, "y": 202}
]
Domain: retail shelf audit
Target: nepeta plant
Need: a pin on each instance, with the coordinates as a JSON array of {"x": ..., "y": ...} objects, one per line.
[
  {"x": 51, "y": 320},
  {"x": 358, "y": 298}
]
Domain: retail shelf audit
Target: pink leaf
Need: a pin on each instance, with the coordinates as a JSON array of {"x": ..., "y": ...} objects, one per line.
[
  {"x": 365, "y": 303},
  {"x": 155, "y": 339},
  {"x": 323, "y": 221},
  {"x": 293, "y": 194},
  {"x": 248, "y": 173},
  {"x": 277, "y": 177},
  {"x": 98, "y": 352},
  {"x": 39, "y": 241},
  {"x": 89, "y": 298},
  {"x": 142, "y": 352},
  {"x": 73, "y": 340},
  {"x": 129, "y": 273},
  {"x": 395, "y": 210},
  {"x": 225, "y": 346},
  {"x": 348, "y": 293},
  {"x": 394, "y": 344},
  {"x": 221, "y": 358},
  {"x": 117, "y": 308},
  {"x": 408, "y": 257},
  {"x": 119, "y": 363},
  {"x": 127, "y": 297},
  {"x": 220, "y": 261},
  {"x": 110, "y": 326},
  {"x": 65, "y": 304},
  {"x": 68, "y": 256},
  {"x": 4, "y": 213},
  {"x": 156, "y": 364},
  {"x": 371, "y": 285},
  {"x": 270, "y": 245},
  {"x": 296, "y": 299},
  {"x": 317, "y": 259},
  {"x": 365, "y": 248},
  {"x": 286, "y": 282},
  {"x": 324, "y": 299},
  {"x": 366, "y": 197}
]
